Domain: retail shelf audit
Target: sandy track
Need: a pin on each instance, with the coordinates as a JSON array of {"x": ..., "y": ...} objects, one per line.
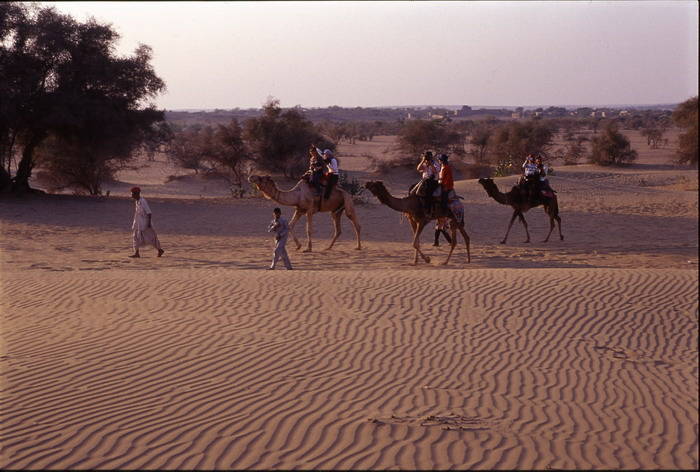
[{"x": 347, "y": 369}]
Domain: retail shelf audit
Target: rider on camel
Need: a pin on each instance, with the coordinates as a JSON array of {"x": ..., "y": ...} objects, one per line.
[
  {"x": 530, "y": 178},
  {"x": 332, "y": 172},
  {"x": 428, "y": 183},
  {"x": 446, "y": 181},
  {"x": 315, "y": 172},
  {"x": 545, "y": 189}
]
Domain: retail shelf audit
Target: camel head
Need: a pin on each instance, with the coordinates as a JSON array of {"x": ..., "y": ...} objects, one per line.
[
  {"x": 485, "y": 182},
  {"x": 263, "y": 183},
  {"x": 260, "y": 181},
  {"x": 375, "y": 186}
]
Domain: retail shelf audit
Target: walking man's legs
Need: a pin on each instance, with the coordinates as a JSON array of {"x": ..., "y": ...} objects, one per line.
[{"x": 280, "y": 252}]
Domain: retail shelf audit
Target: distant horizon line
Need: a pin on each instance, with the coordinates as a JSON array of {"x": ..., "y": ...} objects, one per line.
[{"x": 453, "y": 107}]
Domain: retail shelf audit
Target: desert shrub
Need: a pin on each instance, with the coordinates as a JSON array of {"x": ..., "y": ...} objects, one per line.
[
  {"x": 654, "y": 136},
  {"x": 572, "y": 153},
  {"x": 686, "y": 117},
  {"x": 353, "y": 187},
  {"x": 506, "y": 167},
  {"x": 611, "y": 147}
]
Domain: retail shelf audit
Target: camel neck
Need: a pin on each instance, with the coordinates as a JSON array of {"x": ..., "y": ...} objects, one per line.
[
  {"x": 289, "y": 198},
  {"x": 493, "y": 192},
  {"x": 398, "y": 204}
]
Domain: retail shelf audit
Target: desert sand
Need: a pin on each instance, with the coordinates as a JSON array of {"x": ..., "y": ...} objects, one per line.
[{"x": 574, "y": 354}]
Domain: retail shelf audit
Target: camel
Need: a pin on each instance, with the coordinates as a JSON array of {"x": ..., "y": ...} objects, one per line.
[
  {"x": 304, "y": 202},
  {"x": 412, "y": 207},
  {"x": 518, "y": 199}
]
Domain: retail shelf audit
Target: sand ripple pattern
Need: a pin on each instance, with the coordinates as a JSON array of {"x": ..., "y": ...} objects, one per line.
[{"x": 465, "y": 369}]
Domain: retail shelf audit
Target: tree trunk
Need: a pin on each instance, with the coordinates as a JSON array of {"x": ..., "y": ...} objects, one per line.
[{"x": 20, "y": 184}]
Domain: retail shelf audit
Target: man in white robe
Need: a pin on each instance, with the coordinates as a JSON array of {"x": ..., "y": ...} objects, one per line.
[{"x": 144, "y": 234}]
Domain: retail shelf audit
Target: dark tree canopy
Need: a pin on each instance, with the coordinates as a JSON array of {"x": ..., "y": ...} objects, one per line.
[
  {"x": 279, "y": 140},
  {"x": 686, "y": 116},
  {"x": 62, "y": 84},
  {"x": 513, "y": 141},
  {"x": 416, "y": 136}
]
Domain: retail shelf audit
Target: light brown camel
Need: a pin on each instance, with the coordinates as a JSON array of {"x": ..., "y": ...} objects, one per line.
[
  {"x": 412, "y": 207},
  {"x": 304, "y": 202},
  {"x": 518, "y": 199}
]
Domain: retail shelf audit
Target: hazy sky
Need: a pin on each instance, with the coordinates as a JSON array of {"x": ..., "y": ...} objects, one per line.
[{"x": 317, "y": 54}]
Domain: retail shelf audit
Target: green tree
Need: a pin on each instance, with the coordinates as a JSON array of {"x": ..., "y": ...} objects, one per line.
[
  {"x": 686, "y": 116},
  {"x": 510, "y": 143},
  {"x": 479, "y": 139},
  {"x": 61, "y": 81},
  {"x": 279, "y": 139},
  {"x": 611, "y": 147},
  {"x": 230, "y": 155},
  {"x": 190, "y": 146},
  {"x": 416, "y": 136}
]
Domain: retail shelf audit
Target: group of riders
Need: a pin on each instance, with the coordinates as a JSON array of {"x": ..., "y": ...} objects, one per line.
[
  {"x": 436, "y": 186},
  {"x": 323, "y": 170},
  {"x": 534, "y": 180}
]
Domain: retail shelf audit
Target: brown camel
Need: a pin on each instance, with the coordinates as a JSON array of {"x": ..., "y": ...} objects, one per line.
[
  {"x": 412, "y": 207},
  {"x": 518, "y": 199},
  {"x": 304, "y": 202}
]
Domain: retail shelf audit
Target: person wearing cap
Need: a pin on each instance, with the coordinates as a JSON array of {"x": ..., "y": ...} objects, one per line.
[
  {"x": 542, "y": 169},
  {"x": 280, "y": 227},
  {"x": 144, "y": 234},
  {"x": 331, "y": 171},
  {"x": 446, "y": 181}
]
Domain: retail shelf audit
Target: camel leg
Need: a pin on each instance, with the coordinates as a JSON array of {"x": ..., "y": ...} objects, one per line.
[
  {"x": 295, "y": 217},
  {"x": 356, "y": 225},
  {"x": 561, "y": 236},
  {"x": 416, "y": 244},
  {"x": 335, "y": 216},
  {"x": 466, "y": 240},
  {"x": 309, "y": 223},
  {"x": 414, "y": 227},
  {"x": 453, "y": 242},
  {"x": 522, "y": 218},
  {"x": 551, "y": 228},
  {"x": 510, "y": 225}
]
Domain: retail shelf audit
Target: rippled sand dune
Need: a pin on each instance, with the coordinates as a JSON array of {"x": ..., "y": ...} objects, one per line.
[
  {"x": 215, "y": 369},
  {"x": 575, "y": 354}
]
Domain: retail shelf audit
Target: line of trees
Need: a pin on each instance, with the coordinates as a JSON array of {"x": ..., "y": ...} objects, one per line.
[
  {"x": 68, "y": 103},
  {"x": 275, "y": 142}
]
